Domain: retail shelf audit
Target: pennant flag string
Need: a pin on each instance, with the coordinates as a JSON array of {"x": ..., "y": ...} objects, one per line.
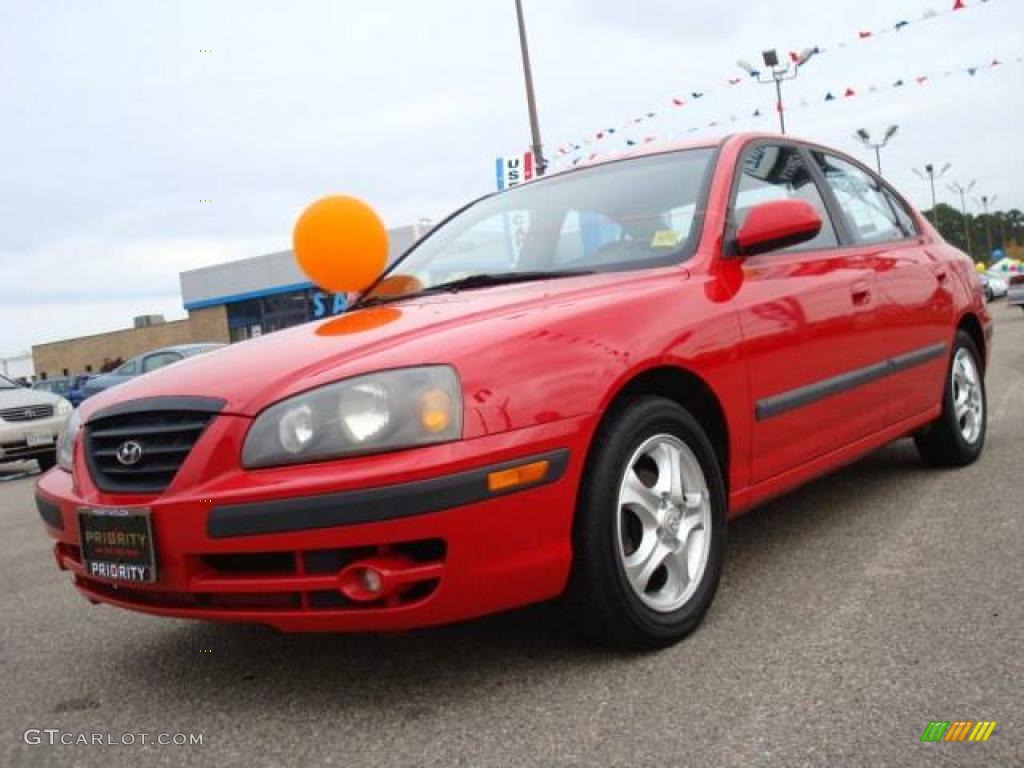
[
  {"x": 679, "y": 102},
  {"x": 849, "y": 93}
]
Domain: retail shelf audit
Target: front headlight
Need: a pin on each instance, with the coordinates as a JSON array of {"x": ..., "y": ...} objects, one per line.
[
  {"x": 64, "y": 407},
  {"x": 66, "y": 441},
  {"x": 367, "y": 414}
]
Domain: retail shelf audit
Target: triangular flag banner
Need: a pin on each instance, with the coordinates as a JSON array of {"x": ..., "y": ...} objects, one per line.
[
  {"x": 696, "y": 94},
  {"x": 678, "y": 102},
  {"x": 794, "y": 56},
  {"x": 829, "y": 97},
  {"x": 971, "y": 71},
  {"x": 901, "y": 24},
  {"x": 733, "y": 80},
  {"x": 958, "y": 5},
  {"x": 995, "y": 63},
  {"x": 757, "y": 113},
  {"x": 921, "y": 79},
  {"x": 630, "y": 143},
  {"x": 651, "y": 114},
  {"x": 897, "y": 84},
  {"x": 862, "y": 35},
  {"x": 849, "y": 92}
]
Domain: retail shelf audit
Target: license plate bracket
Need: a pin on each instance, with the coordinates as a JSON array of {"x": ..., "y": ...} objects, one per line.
[
  {"x": 117, "y": 543},
  {"x": 35, "y": 439}
]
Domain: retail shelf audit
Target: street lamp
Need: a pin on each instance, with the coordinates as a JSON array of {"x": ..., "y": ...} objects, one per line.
[
  {"x": 865, "y": 138},
  {"x": 531, "y": 101},
  {"x": 778, "y": 72},
  {"x": 961, "y": 190},
  {"x": 985, "y": 201},
  {"x": 932, "y": 175}
]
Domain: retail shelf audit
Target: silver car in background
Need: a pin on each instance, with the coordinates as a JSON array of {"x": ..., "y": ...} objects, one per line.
[
  {"x": 1015, "y": 293},
  {"x": 30, "y": 421}
]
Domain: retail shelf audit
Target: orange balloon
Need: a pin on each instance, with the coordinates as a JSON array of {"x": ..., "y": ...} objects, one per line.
[{"x": 340, "y": 243}]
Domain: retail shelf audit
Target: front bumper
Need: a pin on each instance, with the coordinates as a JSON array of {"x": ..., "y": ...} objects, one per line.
[
  {"x": 277, "y": 546},
  {"x": 1015, "y": 295},
  {"x": 14, "y": 438}
]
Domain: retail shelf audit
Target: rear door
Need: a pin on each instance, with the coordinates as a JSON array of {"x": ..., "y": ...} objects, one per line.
[
  {"x": 913, "y": 288},
  {"x": 807, "y": 316}
]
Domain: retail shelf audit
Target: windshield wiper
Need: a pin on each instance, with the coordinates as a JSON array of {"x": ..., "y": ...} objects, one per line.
[{"x": 481, "y": 280}]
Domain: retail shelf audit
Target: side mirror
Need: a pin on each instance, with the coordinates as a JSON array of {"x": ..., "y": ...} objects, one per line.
[{"x": 777, "y": 224}]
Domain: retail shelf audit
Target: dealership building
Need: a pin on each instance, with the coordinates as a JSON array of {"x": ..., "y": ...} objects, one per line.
[{"x": 226, "y": 302}]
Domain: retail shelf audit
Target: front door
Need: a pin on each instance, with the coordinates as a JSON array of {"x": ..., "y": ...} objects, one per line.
[{"x": 808, "y": 321}]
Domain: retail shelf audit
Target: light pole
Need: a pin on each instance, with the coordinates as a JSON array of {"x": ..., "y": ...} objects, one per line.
[
  {"x": 931, "y": 174},
  {"x": 531, "y": 101},
  {"x": 985, "y": 201},
  {"x": 961, "y": 190},
  {"x": 777, "y": 73},
  {"x": 865, "y": 138}
]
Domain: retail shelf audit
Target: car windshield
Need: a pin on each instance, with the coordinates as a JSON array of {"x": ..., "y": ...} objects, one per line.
[
  {"x": 631, "y": 214},
  {"x": 6, "y": 383}
]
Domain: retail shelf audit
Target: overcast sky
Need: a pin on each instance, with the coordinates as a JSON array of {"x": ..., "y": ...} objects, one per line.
[{"x": 114, "y": 125}]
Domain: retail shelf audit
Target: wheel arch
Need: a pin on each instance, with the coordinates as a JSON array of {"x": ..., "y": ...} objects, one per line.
[
  {"x": 971, "y": 325},
  {"x": 690, "y": 391}
]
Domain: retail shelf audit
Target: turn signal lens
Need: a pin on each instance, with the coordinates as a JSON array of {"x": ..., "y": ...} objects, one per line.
[
  {"x": 522, "y": 475},
  {"x": 435, "y": 410}
]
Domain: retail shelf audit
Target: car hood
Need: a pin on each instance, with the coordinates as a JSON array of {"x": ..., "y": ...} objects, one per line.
[
  {"x": 15, "y": 398},
  {"x": 100, "y": 382},
  {"x": 440, "y": 328}
]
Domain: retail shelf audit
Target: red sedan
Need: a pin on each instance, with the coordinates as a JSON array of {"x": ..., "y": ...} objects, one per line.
[{"x": 566, "y": 389}]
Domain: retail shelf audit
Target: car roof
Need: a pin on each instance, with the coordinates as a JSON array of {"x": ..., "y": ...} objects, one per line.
[{"x": 180, "y": 348}]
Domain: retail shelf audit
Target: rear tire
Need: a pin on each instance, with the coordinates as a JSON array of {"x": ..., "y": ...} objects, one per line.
[
  {"x": 47, "y": 461},
  {"x": 648, "y": 540},
  {"x": 957, "y": 436}
]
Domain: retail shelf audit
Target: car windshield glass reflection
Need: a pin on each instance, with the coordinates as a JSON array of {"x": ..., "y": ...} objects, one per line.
[{"x": 619, "y": 216}]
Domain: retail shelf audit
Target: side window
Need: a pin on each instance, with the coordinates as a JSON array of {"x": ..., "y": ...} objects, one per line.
[
  {"x": 127, "y": 369},
  {"x": 906, "y": 221},
  {"x": 159, "y": 360},
  {"x": 865, "y": 204},
  {"x": 770, "y": 172}
]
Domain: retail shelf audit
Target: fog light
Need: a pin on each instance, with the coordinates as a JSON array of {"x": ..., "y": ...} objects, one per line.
[{"x": 370, "y": 580}]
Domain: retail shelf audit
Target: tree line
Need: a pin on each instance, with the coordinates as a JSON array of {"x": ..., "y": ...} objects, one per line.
[{"x": 1002, "y": 230}]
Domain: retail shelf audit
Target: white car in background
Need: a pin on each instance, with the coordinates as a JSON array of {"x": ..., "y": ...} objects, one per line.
[
  {"x": 996, "y": 286},
  {"x": 30, "y": 420},
  {"x": 1015, "y": 295}
]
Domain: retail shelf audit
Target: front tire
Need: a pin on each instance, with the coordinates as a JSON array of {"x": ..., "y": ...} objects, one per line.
[
  {"x": 649, "y": 534},
  {"x": 956, "y": 438}
]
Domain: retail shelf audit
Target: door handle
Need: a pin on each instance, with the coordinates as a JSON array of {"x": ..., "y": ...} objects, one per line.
[{"x": 860, "y": 293}]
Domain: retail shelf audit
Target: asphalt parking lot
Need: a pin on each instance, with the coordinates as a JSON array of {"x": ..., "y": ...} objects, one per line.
[{"x": 852, "y": 612}]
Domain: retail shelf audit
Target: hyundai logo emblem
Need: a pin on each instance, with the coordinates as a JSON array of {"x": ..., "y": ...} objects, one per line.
[{"x": 129, "y": 453}]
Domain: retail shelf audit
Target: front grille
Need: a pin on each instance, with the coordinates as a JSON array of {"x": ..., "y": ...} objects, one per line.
[
  {"x": 165, "y": 439},
  {"x": 27, "y": 413}
]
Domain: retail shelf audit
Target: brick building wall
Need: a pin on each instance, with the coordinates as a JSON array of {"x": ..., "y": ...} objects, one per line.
[{"x": 91, "y": 352}]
